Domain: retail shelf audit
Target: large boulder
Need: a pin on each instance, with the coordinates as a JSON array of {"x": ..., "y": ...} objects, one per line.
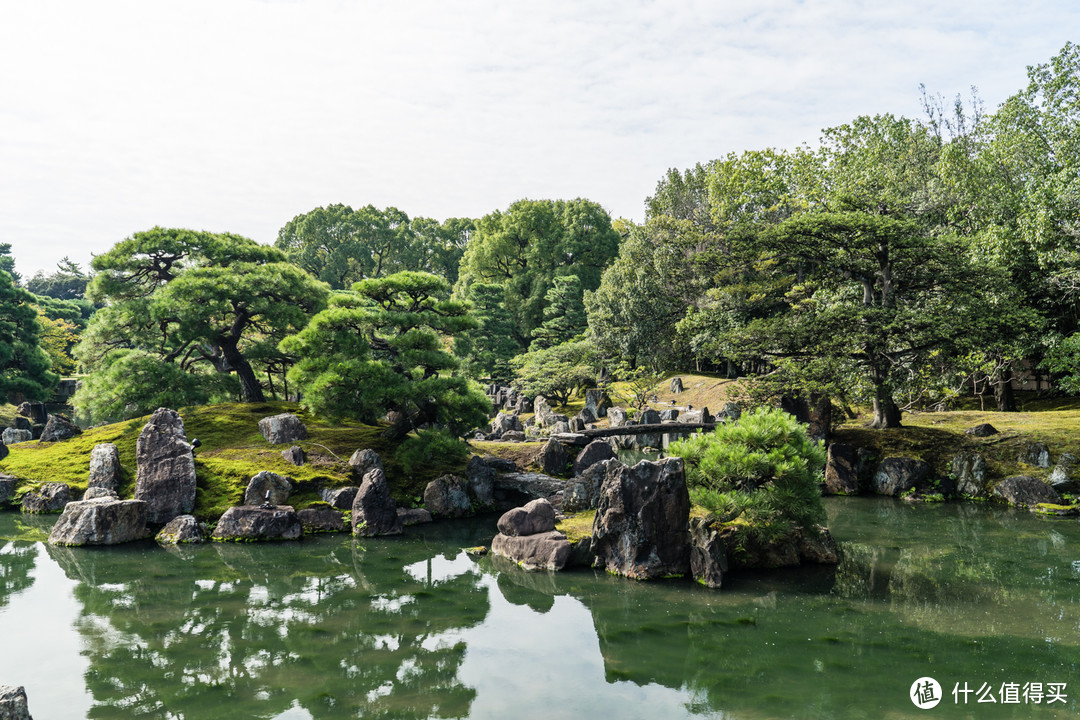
[
  {"x": 283, "y": 428},
  {"x": 536, "y": 516},
  {"x": 543, "y": 551},
  {"x": 841, "y": 470},
  {"x": 554, "y": 458},
  {"x": 364, "y": 461},
  {"x": 649, "y": 416},
  {"x": 253, "y": 523},
  {"x": 896, "y": 476},
  {"x": 594, "y": 452},
  {"x": 13, "y": 704},
  {"x": 374, "y": 511},
  {"x": 641, "y": 529},
  {"x": 341, "y": 498},
  {"x": 969, "y": 469},
  {"x": 105, "y": 469},
  {"x": 102, "y": 521},
  {"x": 676, "y": 385},
  {"x": 1036, "y": 454},
  {"x": 1026, "y": 491},
  {"x": 268, "y": 487},
  {"x": 982, "y": 430},
  {"x": 448, "y": 497},
  {"x": 413, "y": 516},
  {"x": 182, "y": 530},
  {"x": 696, "y": 415},
  {"x": 1065, "y": 477},
  {"x": 504, "y": 423},
  {"x": 481, "y": 479},
  {"x": 49, "y": 498},
  {"x": 669, "y": 414},
  {"x": 583, "y": 490},
  {"x": 14, "y": 436},
  {"x": 93, "y": 493},
  {"x": 59, "y": 428},
  {"x": 597, "y": 402},
  {"x": 708, "y": 553},
  {"x": 165, "y": 468},
  {"x": 321, "y": 520},
  {"x": 7, "y": 489},
  {"x": 542, "y": 412},
  {"x": 730, "y": 413},
  {"x": 617, "y": 417}
]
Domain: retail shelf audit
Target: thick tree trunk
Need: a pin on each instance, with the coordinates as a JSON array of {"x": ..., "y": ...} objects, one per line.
[
  {"x": 1003, "y": 392},
  {"x": 250, "y": 388},
  {"x": 886, "y": 411}
]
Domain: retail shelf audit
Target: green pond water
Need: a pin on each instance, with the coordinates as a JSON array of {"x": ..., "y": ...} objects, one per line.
[{"x": 411, "y": 627}]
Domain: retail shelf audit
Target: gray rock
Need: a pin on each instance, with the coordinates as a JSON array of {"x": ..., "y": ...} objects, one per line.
[
  {"x": 982, "y": 430},
  {"x": 513, "y": 436},
  {"x": 560, "y": 426},
  {"x": 896, "y": 476},
  {"x": 13, "y": 704},
  {"x": 597, "y": 402},
  {"x": 708, "y": 553},
  {"x": 35, "y": 411},
  {"x": 102, "y": 521},
  {"x": 594, "y": 452},
  {"x": 321, "y": 520},
  {"x": 617, "y": 417},
  {"x": 364, "y": 461},
  {"x": 12, "y": 436},
  {"x": 583, "y": 490},
  {"x": 105, "y": 469},
  {"x": 165, "y": 472},
  {"x": 542, "y": 412},
  {"x": 537, "y": 516},
  {"x": 341, "y": 498},
  {"x": 448, "y": 497},
  {"x": 1065, "y": 477},
  {"x": 374, "y": 511},
  {"x": 696, "y": 415},
  {"x": 504, "y": 423},
  {"x": 1026, "y": 491},
  {"x": 251, "y": 522},
  {"x": 283, "y": 428},
  {"x": 481, "y": 479},
  {"x": 7, "y": 489},
  {"x": 545, "y": 551},
  {"x": 499, "y": 464},
  {"x": 279, "y": 488},
  {"x": 182, "y": 530},
  {"x": 531, "y": 485},
  {"x": 586, "y": 416},
  {"x": 49, "y": 498},
  {"x": 677, "y": 387},
  {"x": 93, "y": 493},
  {"x": 413, "y": 516},
  {"x": 842, "y": 470},
  {"x": 970, "y": 471},
  {"x": 641, "y": 529},
  {"x": 649, "y": 417},
  {"x": 1036, "y": 454},
  {"x": 669, "y": 414},
  {"x": 23, "y": 423},
  {"x": 59, "y": 428},
  {"x": 576, "y": 424},
  {"x": 294, "y": 455},
  {"x": 554, "y": 458},
  {"x": 731, "y": 413}
]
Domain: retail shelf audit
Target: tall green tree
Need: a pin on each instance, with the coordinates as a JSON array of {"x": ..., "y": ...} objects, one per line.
[
  {"x": 24, "y": 367},
  {"x": 68, "y": 282},
  {"x": 486, "y": 350},
  {"x": 564, "y": 313},
  {"x": 7, "y": 263}
]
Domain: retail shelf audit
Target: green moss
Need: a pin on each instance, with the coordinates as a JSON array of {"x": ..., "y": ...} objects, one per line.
[
  {"x": 577, "y": 526},
  {"x": 7, "y": 415}
]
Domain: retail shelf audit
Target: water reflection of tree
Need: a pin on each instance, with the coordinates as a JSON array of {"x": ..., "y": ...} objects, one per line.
[
  {"x": 245, "y": 631},
  {"x": 16, "y": 561}
]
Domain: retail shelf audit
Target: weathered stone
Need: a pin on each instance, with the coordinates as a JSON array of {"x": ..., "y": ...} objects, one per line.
[
  {"x": 708, "y": 553},
  {"x": 294, "y": 455},
  {"x": 252, "y": 522},
  {"x": 982, "y": 430},
  {"x": 374, "y": 511},
  {"x": 969, "y": 470},
  {"x": 618, "y": 417},
  {"x": 165, "y": 472},
  {"x": 103, "y": 521},
  {"x": 542, "y": 412},
  {"x": 896, "y": 476},
  {"x": 577, "y": 424},
  {"x": 537, "y": 516},
  {"x": 182, "y": 530},
  {"x": 641, "y": 529},
  {"x": 321, "y": 520},
  {"x": 481, "y": 479},
  {"x": 842, "y": 470},
  {"x": 341, "y": 497},
  {"x": 696, "y": 415},
  {"x": 594, "y": 452},
  {"x": 1065, "y": 477},
  {"x": 268, "y": 487},
  {"x": 553, "y": 458},
  {"x": 59, "y": 428},
  {"x": 499, "y": 464},
  {"x": 513, "y": 436},
  {"x": 731, "y": 413},
  {"x": 597, "y": 402},
  {"x": 1026, "y": 491},
  {"x": 545, "y": 551},
  {"x": 364, "y": 461},
  {"x": 49, "y": 498},
  {"x": 14, "y": 436},
  {"x": 583, "y": 490},
  {"x": 1036, "y": 454},
  {"x": 448, "y": 497},
  {"x": 283, "y": 428},
  {"x": 586, "y": 415},
  {"x": 35, "y": 411},
  {"x": 7, "y": 489},
  {"x": 93, "y": 493},
  {"x": 105, "y": 469},
  {"x": 13, "y": 704},
  {"x": 23, "y": 423},
  {"x": 504, "y": 423},
  {"x": 413, "y": 516},
  {"x": 649, "y": 417},
  {"x": 515, "y": 485},
  {"x": 560, "y": 426},
  {"x": 676, "y": 388}
]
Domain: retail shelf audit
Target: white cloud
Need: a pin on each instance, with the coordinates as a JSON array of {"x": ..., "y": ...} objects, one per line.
[{"x": 238, "y": 114}]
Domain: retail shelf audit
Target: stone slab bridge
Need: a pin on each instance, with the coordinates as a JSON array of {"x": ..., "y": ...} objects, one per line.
[{"x": 580, "y": 439}]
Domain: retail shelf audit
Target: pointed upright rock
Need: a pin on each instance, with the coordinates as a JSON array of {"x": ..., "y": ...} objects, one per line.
[{"x": 165, "y": 475}]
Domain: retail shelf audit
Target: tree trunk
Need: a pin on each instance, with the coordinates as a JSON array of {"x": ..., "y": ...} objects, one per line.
[
  {"x": 886, "y": 411},
  {"x": 250, "y": 388},
  {"x": 1003, "y": 392}
]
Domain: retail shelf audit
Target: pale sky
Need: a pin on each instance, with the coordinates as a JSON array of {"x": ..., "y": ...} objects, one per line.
[{"x": 236, "y": 115}]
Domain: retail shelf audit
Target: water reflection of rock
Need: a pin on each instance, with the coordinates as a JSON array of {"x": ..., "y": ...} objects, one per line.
[
  {"x": 16, "y": 561},
  {"x": 231, "y": 630}
]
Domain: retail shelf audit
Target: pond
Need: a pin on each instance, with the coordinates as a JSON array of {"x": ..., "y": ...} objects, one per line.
[{"x": 976, "y": 597}]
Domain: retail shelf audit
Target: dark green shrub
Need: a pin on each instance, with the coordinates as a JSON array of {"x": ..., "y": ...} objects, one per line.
[{"x": 429, "y": 448}]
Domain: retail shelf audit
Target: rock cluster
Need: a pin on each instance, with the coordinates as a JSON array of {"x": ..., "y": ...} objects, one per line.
[{"x": 527, "y": 536}]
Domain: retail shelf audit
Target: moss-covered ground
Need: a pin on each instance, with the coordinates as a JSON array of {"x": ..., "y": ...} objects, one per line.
[{"x": 232, "y": 451}]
